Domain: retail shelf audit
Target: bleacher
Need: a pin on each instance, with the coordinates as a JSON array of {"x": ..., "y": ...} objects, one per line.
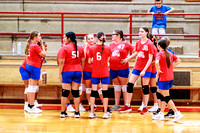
[{"x": 11, "y": 85}]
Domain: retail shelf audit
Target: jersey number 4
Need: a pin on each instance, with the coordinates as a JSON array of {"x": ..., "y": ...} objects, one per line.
[{"x": 74, "y": 54}]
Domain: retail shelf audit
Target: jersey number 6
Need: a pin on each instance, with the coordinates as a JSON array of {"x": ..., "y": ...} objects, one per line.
[{"x": 98, "y": 56}]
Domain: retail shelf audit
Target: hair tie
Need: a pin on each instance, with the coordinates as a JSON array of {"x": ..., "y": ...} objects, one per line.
[
  {"x": 103, "y": 37},
  {"x": 28, "y": 39}
]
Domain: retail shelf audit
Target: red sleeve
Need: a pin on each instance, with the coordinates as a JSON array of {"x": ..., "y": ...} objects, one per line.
[
  {"x": 158, "y": 56},
  {"x": 174, "y": 57},
  {"x": 37, "y": 48},
  {"x": 82, "y": 55},
  {"x": 59, "y": 52},
  {"x": 136, "y": 49},
  {"x": 130, "y": 48},
  {"x": 110, "y": 53},
  {"x": 63, "y": 54},
  {"x": 151, "y": 51}
]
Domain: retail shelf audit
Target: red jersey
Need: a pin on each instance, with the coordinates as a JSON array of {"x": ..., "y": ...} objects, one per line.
[
  {"x": 68, "y": 53},
  {"x": 167, "y": 74},
  {"x": 120, "y": 52},
  {"x": 155, "y": 50},
  {"x": 34, "y": 59},
  {"x": 87, "y": 66},
  {"x": 143, "y": 55},
  {"x": 23, "y": 65},
  {"x": 100, "y": 64},
  {"x": 59, "y": 52}
]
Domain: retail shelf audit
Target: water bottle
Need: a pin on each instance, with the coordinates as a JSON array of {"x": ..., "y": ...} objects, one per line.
[
  {"x": 13, "y": 48},
  {"x": 44, "y": 77},
  {"x": 19, "y": 48}
]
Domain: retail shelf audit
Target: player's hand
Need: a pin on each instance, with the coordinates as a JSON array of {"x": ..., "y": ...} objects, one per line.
[
  {"x": 165, "y": 13},
  {"x": 142, "y": 73},
  {"x": 124, "y": 61},
  {"x": 60, "y": 77},
  {"x": 159, "y": 71}
]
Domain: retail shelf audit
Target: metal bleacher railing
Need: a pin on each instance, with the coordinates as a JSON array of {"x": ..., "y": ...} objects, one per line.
[{"x": 63, "y": 15}]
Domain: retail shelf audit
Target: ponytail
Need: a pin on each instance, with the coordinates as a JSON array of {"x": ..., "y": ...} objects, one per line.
[
  {"x": 163, "y": 44},
  {"x": 101, "y": 37},
  {"x": 167, "y": 58},
  {"x": 31, "y": 37},
  {"x": 75, "y": 44},
  {"x": 102, "y": 48},
  {"x": 27, "y": 47}
]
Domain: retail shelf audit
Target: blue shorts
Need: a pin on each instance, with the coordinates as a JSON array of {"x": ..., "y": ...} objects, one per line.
[
  {"x": 137, "y": 72},
  {"x": 121, "y": 73},
  {"x": 87, "y": 75},
  {"x": 165, "y": 85},
  {"x": 69, "y": 76},
  {"x": 24, "y": 73},
  {"x": 104, "y": 80},
  {"x": 153, "y": 75},
  {"x": 34, "y": 72}
]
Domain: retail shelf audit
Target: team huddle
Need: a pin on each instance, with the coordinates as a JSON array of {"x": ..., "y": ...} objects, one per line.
[{"x": 88, "y": 65}]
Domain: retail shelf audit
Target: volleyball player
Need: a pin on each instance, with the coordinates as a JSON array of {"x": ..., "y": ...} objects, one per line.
[
  {"x": 153, "y": 81},
  {"x": 70, "y": 71},
  {"x": 86, "y": 85},
  {"x": 165, "y": 62},
  {"x": 170, "y": 113},
  {"x": 34, "y": 68},
  {"x": 142, "y": 68},
  {"x": 25, "y": 77},
  {"x": 119, "y": 72},
  {"x": 69, "y": 106},
  {"x": 100, "y": 54}
]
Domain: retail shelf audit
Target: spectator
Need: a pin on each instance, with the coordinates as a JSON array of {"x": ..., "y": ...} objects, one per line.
[{"x": 159, "y": 22}]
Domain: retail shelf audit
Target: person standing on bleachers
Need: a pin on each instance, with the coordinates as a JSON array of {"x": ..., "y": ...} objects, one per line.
[
  {"x": 33, "y": 67},
  {"x": 159, "y": 22}
]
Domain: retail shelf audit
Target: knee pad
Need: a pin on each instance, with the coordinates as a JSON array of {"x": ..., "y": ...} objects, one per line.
[
  {"x": 88, "y": 90},
  {"x": 83, "y": 87},
  {"x": 105, "y": 93},
  {"x": 32, "y": 89},
  {"x": 117, "y": 87},
  {"x": 130, "y": 87},
  {"x": 159, "y": 95},
  {"x": 75, "y": 93},
  {"x": 37, "y": 88},
  {"x": 153, "y": 89},
  {"x": 80, "y": 90},
  {"x": 65, "y": 93},
  {"x": 94, "y": 94},
  {"x": 145, "y": 89},
  {"x": 25, "y": 91},
  {"x": 124, "y": 88},
  {"x": 166, "y": 99},
  {"x": 100, "y": 91}
]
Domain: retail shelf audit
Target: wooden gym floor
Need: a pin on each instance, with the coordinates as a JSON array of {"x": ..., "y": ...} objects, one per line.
[{"x": 14, "y": 119}]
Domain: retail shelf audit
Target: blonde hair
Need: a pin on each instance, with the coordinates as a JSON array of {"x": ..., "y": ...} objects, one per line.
[
  {"x": 167, "y": 40},
  {"x": 31, "y": 37}
]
